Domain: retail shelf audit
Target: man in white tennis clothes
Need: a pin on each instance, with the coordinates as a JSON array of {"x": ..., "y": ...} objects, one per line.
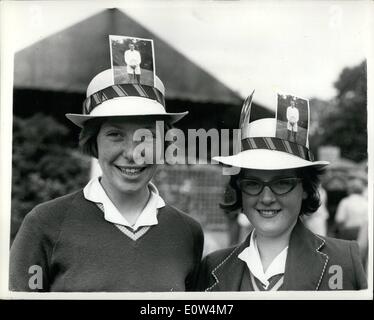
[
  {"x": 292, "y": 119},
  {"x": 133, "y": 60}
]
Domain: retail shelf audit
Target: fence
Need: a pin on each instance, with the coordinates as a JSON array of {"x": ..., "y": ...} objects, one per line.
[{"x": 195, "y": 189}]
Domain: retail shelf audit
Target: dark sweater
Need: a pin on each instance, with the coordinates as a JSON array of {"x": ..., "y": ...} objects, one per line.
[{"x": 78, "y": 250}]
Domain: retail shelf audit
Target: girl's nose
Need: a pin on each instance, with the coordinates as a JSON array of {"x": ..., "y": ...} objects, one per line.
[
  {"x": 267, "y": 196},
  {"x": 133, "y": 152},
  {"x": 128, "y": 148}
]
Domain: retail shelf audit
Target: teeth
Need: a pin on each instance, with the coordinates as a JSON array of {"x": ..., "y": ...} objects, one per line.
[
  {"x": 268, "y": 212},
  {"x": 132, "y": 171}
]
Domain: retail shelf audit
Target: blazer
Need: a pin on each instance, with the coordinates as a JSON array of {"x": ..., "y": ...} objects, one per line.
[{"x": 313, "y": 263}]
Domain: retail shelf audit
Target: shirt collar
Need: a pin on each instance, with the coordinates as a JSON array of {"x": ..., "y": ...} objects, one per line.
[
  {"x": 94, "y": 192},
  {"x": 251, "y": 257}
]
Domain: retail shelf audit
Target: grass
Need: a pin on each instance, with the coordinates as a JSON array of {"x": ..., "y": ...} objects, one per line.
[
  {"x": 282, "y": 132},
  {"x": 121, "y": 76}
]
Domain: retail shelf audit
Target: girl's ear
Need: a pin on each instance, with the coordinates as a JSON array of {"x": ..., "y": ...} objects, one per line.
[{"x": 305, "y": 195}]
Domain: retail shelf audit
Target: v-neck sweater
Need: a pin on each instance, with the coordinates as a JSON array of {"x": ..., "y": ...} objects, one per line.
[{"x": 77, "y": 250}]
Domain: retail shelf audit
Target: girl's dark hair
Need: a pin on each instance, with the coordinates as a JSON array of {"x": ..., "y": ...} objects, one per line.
[
  {"x": 88, "y": 136},
  {"x": 90, "y": 130},
  {"x": 233, "y": 195},
  {"x": 311, "y": 179}
]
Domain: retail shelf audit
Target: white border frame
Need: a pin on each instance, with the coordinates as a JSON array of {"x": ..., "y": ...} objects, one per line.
[{"x": 6, "y": 120}]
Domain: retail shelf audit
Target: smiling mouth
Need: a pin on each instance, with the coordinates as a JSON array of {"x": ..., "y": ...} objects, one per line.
[
  {"x": 131, "y": 171},
  {"x": 268, "y": 213}
]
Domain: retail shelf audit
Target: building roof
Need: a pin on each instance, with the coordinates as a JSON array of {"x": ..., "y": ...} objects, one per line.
[{"x": 68, "y": 60}]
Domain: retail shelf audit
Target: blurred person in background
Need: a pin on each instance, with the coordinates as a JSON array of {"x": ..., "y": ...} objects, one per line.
[
  {"x": 117, "y": 234},
  {"x": 336, "y": 189},
  {"x": 279, "y": 183},
  {"x": 352, "y": 210}
]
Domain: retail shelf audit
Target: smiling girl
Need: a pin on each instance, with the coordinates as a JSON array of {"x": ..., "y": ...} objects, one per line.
[
  {"x": 117, "y": 234},
  {"x": 279, "y": 181}
]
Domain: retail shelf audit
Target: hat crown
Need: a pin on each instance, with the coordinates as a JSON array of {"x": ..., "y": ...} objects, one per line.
[
  {"x": 104, "y": 98},
  {"x": 105, "y": 79},
  {"x": 259, "y": 128}
]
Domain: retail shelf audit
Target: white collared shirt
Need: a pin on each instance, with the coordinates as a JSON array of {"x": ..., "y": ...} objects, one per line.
[
  {"x": 251, "y": 257},
  {"x": 94, "y": 192}
]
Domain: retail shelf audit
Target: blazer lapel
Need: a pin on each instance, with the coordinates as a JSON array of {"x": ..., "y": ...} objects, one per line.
[
  {"x": 229, "y": 272},
  {"x": 305, "y": 264}
]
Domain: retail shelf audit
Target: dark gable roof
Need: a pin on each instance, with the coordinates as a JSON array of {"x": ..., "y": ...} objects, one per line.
[{"x": 68, "y": 60}]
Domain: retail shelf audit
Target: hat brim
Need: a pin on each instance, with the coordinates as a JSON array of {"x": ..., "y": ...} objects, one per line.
[
  {"x": 79, "y": 119},
  {"x": 263, "y": 159}
]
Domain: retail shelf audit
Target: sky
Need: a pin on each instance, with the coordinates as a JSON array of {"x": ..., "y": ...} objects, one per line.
[{"x": 270, "y": 46}]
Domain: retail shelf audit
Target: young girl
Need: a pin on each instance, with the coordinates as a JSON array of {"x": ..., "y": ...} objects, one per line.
[
  {"x": 279, "y": 183},
  {"x": 117, "y": 234}
]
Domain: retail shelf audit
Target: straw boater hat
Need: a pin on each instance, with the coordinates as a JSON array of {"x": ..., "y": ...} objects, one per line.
[
  {"x": 106, "y": 99},
  {"x": 262, "y": 150}
]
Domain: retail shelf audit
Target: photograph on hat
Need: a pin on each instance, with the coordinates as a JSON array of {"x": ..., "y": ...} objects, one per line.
[
  {"x": 132, "y": 60},
  {"x": 292, "y": 119}
]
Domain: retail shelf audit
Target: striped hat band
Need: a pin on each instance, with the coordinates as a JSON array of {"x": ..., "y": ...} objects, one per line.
[
  {"x": 122, "y": 90},
  {"x": 278, "y": 144}
]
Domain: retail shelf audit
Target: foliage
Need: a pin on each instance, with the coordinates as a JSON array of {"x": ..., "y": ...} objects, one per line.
[
  {"x": 43, "y": 168},
  {"x": 319, "y": 110},
  {"x": 343, "y": 121}
]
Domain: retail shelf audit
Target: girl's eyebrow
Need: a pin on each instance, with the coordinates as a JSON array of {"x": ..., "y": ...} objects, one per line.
[
  {"x": 114, "y": 126},
  {"x": 272, "y": 179},
  {"x": 110, "y": 126}
]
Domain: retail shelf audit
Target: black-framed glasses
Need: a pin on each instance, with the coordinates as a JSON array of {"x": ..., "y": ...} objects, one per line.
[{"x": 279, "y": 187}]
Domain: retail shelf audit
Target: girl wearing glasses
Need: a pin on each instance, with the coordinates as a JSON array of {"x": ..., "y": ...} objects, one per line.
[{"x": 278, "y": 182}]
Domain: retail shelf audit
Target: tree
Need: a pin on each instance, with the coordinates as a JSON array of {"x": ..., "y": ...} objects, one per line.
[
  {"x": 345, "y": 124},
  {"x": 43, "y": 167},
  {"x": 319, "y": 110}
]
